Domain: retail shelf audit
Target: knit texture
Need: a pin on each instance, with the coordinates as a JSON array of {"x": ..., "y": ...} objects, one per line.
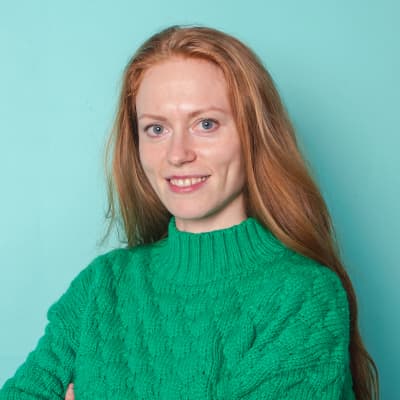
[{"x": 228, "y": 314}]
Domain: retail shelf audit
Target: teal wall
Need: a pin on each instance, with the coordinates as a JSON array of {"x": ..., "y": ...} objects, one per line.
[{"x": 336, "y": 65}]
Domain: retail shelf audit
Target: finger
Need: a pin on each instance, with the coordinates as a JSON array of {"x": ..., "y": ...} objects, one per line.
[{"x": 70, "y": 392}]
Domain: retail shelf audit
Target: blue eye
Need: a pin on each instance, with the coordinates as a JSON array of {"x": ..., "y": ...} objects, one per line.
[
  {"x": 154, "y": 129},
  {"x": 208, "y": 124}
]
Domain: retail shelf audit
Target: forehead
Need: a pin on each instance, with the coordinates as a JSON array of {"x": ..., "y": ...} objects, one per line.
[{"x": 183, "y": 82}]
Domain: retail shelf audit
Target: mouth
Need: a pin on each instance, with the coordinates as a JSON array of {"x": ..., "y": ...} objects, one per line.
[
  {"x": 187, "y": 181},
  {"x": 186, "y": 184}
]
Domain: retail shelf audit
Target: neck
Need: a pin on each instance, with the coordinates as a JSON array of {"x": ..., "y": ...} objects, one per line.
[
  {"x": 187, "y": 258},
  {"x": 229, "y": 216},
  {"x": 207, "y": 225}
]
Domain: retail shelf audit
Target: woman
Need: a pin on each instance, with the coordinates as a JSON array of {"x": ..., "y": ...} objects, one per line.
[{"x": 231, "y": 285}]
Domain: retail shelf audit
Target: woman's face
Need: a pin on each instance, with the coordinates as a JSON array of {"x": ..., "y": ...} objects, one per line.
[{"x": 189, "y": 145}]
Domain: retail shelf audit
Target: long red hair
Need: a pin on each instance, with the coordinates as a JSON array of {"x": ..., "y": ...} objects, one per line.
[{"x": 280, "y": 191}]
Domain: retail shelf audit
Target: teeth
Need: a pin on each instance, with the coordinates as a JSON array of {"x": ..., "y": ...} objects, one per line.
[{"x": 187, "y": 182}]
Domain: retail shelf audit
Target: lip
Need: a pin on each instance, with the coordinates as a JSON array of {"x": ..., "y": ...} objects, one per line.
[
  {"x": 185, "y": 176},
  {"x": 187, "y": 189}
]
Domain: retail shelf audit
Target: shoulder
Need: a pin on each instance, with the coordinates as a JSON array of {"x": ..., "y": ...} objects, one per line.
[
  {"x": 299, "y": 277},
  {"x": 117, "y": 258},
  {"x": 303, "y": 309},
  {"x": 306, "y": 277},
  {"x": 306, "y": 299},
  {"x": 98, "y": 284},
  {"x": 108, "y": 268}
]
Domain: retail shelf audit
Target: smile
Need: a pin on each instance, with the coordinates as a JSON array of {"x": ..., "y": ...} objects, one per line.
[
  {"x": 187, "y": 181},
  {"x": 186, "y": 185}
]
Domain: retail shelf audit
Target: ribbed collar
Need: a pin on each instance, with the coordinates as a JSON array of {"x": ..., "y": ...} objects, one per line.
[{"x": 197, "y": 258}]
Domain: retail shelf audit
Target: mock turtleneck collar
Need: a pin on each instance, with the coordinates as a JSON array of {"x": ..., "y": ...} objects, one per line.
[{"x": 197, "y": 258}]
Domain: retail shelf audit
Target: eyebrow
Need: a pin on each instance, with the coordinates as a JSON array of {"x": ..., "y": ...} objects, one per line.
[{"x": 191, "y": 114}]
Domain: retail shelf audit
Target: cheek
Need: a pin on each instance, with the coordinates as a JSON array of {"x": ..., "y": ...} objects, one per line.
[
  {"x": 229, "y": 157},
  {"x": 236, "y": 171},
  {"x": 147, "y": 162},
  {"x": 147, "y": 158}
]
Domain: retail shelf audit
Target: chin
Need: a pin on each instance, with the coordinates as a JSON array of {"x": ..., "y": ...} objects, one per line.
[
  {"x": 189, "y": 213},
  {"x": 189, "y": 216}
]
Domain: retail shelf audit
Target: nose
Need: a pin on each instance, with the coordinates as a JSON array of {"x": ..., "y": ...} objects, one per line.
[{"x": 180, "y": 149}]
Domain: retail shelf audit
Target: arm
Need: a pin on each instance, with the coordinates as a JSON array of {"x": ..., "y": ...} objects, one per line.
[
  {"x": 49, "y": 368},
  {"x": 300, "y": 347}
]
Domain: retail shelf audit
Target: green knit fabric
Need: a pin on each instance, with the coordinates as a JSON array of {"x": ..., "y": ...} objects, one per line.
[{"x": 227, "y": 314}]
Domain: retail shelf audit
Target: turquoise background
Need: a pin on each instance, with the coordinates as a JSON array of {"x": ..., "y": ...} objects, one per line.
[{"x": 337, "y": 67}]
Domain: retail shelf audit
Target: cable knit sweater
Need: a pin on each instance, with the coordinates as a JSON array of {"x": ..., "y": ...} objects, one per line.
[{"x": 228, "y": 314}]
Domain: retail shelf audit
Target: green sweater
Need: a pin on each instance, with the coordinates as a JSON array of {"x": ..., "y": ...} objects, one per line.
[{"x": 228, "y": 314}]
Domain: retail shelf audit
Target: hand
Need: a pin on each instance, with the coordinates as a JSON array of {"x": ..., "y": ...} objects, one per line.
[{"x": 70, "y": 392}]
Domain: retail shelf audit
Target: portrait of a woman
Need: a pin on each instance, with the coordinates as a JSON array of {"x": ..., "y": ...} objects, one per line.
[{"x": 230, "y": 285}]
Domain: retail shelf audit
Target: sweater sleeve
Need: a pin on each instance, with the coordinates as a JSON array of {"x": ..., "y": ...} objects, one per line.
[
  {"x": 300, "y": 344},
  {"x": 49, "y": 368}
]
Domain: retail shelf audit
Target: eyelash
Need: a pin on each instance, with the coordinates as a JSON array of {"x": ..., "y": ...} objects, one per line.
[{"x": 213, "y": 121}]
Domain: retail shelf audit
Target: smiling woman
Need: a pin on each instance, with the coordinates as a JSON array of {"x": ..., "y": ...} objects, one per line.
[
  {"x": 189, "y": 146},
  {"x": 230, "y": 286}
]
